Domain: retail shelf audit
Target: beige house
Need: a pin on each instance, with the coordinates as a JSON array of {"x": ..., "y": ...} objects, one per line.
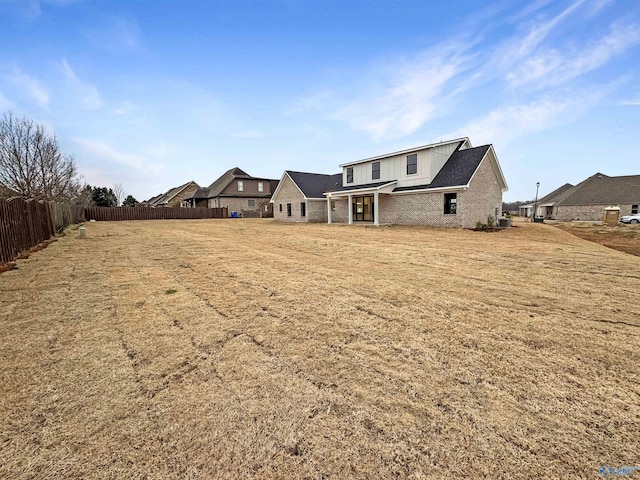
[
  {"x": 588, "y": 200},
  {"x": 174, "y": 197},
  {"x": 445, "y": 184},
  {"x": 241, "y": 193}
]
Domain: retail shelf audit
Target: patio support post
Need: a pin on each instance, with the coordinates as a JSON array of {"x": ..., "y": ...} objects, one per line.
[
  {"x": 350, "y": 206},
  {"x": 329, "y": 210},
  {"x": 376, "y": 208}
]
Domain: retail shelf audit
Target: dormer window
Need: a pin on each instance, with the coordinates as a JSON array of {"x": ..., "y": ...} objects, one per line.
[
  {"x": 240, "y": 186},
  {"x": 260, "y": 187},
  {"x": 412, "y": 164},
  {"x": 349, "y": 174},
  {"x": 375, "y": 171}
]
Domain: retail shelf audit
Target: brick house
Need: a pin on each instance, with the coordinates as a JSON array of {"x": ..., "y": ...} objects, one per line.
[
  {"x": 588, "y": 200},
  {"x": 174, "y": 197},
  {"x": 445, "y": 184},
  {"x": 300, "y": 196},
  {"x": 239, "y": 192}
]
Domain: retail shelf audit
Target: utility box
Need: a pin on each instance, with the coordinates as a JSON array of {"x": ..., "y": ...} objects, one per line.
[{"x": 611, "y": 216}]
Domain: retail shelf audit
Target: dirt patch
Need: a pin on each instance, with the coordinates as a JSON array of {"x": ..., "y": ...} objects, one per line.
[
  {"x": 625, "y": 238},
  {"x": 318, "y": 351}
]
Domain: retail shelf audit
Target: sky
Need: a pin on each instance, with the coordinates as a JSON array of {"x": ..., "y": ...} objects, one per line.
[{"x": 155, "y": 93}]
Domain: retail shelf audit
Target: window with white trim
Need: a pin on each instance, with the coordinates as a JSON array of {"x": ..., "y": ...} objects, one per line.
[
  {"x": 375, "y": 171},
  {"x": 412, "y": 164},
  {"x": 450, "y": 203},
  {"x": 240, "y": 186},
  {"x": 349, "y": 174},
  {"x": 260, "y": 187}
]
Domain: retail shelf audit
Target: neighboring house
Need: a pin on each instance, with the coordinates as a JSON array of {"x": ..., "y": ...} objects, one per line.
[
  {"x": 588, "y": 200},
  {"x": 174, "y": 197},
  {"x": 445, "y": 184},
  {"x": 300, "y": 196},
  {"x": 547, "y": 206},
  {"x": 239, "y": 192}
]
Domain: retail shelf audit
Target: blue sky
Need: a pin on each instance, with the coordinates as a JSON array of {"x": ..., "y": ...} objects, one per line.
[{"x": 153, "y": 94}]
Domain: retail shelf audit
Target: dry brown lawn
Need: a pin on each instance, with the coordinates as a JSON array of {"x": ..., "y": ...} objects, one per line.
[
  {"x": 625, "y": 238},
  {"x": 318, "y": 351}
]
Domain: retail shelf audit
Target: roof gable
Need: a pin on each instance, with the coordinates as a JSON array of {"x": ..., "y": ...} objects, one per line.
[
  {"x": 313, "y": 185},
  {"x": 164, "y": 198},
  {"x": 601, "y": 189},
  {"x": 558, "y": 194},
  {"x": 218, "y": 186},
  {"x": 460, "y": 167}
]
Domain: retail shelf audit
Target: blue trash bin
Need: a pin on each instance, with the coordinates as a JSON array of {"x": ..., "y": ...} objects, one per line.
[{"x": 234, "y": 214}]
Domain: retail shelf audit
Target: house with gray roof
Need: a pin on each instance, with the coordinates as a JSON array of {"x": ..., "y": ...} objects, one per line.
[
  {"x": 239, "y": 192},
  {"x": 173, "y": 197},
  {"x": 299, "y": 196},
  {"x": 588, "y": 200},
  {"x": 547, "y": 206},
  {"x": 445, "y": 184}
]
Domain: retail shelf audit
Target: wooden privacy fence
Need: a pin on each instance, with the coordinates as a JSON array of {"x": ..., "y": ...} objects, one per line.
[
  {"x": 27, "y": 223},
  {"x": 103, "y": 214}
]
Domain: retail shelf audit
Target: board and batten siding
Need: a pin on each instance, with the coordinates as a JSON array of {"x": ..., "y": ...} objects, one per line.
[{"x": 430, "y": 161}]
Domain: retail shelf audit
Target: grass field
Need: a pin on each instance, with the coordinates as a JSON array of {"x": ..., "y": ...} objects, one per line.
[
  {"x": 250, "y": 349},
  {"x": 625, "y": 238}
]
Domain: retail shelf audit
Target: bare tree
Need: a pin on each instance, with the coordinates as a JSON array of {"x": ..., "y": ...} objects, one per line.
[
  {"x": 118, "y": 191},
  {"x": 31, "y": 163}
]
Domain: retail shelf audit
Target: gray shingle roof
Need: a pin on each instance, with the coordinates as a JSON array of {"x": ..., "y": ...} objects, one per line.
[
  {"x": 457, "y": 171},
  {"x": 558, "y": 194},
  {"x": 600, "y": 189},
  {"x": 166, "y": 197},
  {"x": 313, "y": 185},
  {"x": 362, "y": 186},
  {"x": 216, "y": 188},
  {"x": 200, "y": 194},
  {"x": 223, "y": 180}
]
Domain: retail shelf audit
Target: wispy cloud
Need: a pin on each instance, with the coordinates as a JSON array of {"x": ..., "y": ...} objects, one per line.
[
  {"x": 409, "y": 94},
  {"x": 103, "y": 151},
  {"x": 553, "y": 67},
  {"x": 30, "y": 86},
  {"x": 535, "y": 66},
  {"x": 85, "y": 92},
  {"x": 511, "y": 122},
  {"x": 31, "y": 9},
  {"x": 541, "y": 30},
  {"x": 120, "y": 33}
]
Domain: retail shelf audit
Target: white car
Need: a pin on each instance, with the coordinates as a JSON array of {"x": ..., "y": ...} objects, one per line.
[{"x": 635, "y": 218}]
